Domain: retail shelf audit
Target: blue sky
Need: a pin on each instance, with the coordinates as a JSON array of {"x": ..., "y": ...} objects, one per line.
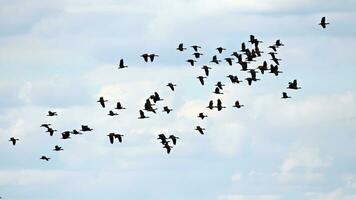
[{"x": 63, "y": 55}]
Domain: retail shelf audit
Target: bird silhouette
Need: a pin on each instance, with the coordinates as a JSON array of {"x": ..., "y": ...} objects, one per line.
[
  {"x": 197, "y": 54},
  {"x": 202, "y": 116},
  {"x": 293, "y": 85},
  {"x": 85, "y": 128},
  {"x": 206, "y": 70},
  {"x": 215, "y": 60},
  {"x": 166, "y": 109},
  {"x": 102, "y": 101},
  {"x": 13, "y": 140},
  {"x": 229, "y": 61},
  {"x": 180, "y": 47},
  {"x": 45, "y": 158},
  {"x": 278, "y": 43},
  {"x": 285, "y": 96},
  {"x": 167, "y": 147},
  {"x": 113, "y": 136},
  {"x": 201, "y": 79},
  {"x": 217, "y": 91},
  {"x": 274, "y": 48},
  {"x": 219, "y": 85},
  {"x": 219, "y": 105},
  {"x": 75, "y": 132},
  {"x": 174, "y": 139},
  {"x": 152, "y": 56},
  {"x": 66, "y": 135},
  {"x": 171, "y": 85},
  {"x": 122, "y": 65},
  {"x": 323, "y": 22},
  {"x": 119, "y": 106},
  {"x": 220, "y": 49},
  {"x": 191, "y": 62},
  {"x": 155, "y": 97},
  {"x": 243, "y": 47},
  {"x": 200, "y": 130},
  {"x": 112, "y": 113},
  {"x": 250, "y": 80},
  {"x": 58, "y": 148},
  {"x": 145, "y": 57},
  {"x": 196, "y": 47},
  {"x": 51, "y": 114},
  {"x": 50, "y": 131},
  {"x": 148, "y": 106},
  {"x": 237, "y": 105},
  {"x": 274, "y": 69},
  {"x": 263, "y": 67},
  {"x": 142, "y": 115},
  {"x": 211, "y": 105},
  {"x": 45, "y": 125}
]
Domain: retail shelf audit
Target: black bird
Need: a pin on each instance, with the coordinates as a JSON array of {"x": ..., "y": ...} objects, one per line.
[
  {"x": 65, "y": 135},
  {"x": 191, "y": 61},
  {"x": 166, "y": 109},
  {"x": 171, "y": 85},
  {"x": 166, "y": 146},
  {"x": 200, "y": 129},
  {"x": 13, "y": 140},
  {"x": 219, "y": 85},
  {"x": 145, "y": 57},
  {"x": 243, "y": 47},
  {"x": 174, "y": 139},
  {"x": 274, "y": 70},
  {"x": 229, "y": 61},
  {"x": 142, "y": 115},
  {"x": 253, "y": 74},
  {"x": 202, "y": 116},
  {"x": 211, "y": 105},
  {"x": 180, "y": 47},
  {"x": 51, "y": 114},
  {"x": 217, "y": 91},
  {"x": 45, "y": 125},
  {"x": 152, "y": 56},
  {"x": 122, "y": 65},
  {"x": 86, "y": 128},
  {"x": 75, "y": 132},
  {"x": 45, "y": 158},
  {"x": 263, "y": 67},
  {"x": 219, "y": 105},
  {"x": 50, "y": 131},
  {"x": 197, "y": 54},
  {"x": 163, "y": 138},
  {"x": 156, "y": 97},
  {"x": 233, "y": 79},
  {"x": 215, "y": 60},
  {"x": 323, "y": 22},
  {"x": 243, "y": 65},
  {"x": 238, "y": 105},
  {"x": 285, "y": 96},
  {"x": 113, "y": 136},
  {"x": 148, "y": 106},
  {"x": 220, "y": 49},
  {"x": 206, "y": 70},
  {"x": 111, "y": 113},
  {"x": 119, "y": 106},
  {"x": 278, "y": 43},
  {"x": 293, "y": 85},
  {"x": 274, "y": 48},
  {"x": 250, "y": 79},
  {"x": 196, "y": 47},
  {"x": 201, "y": 79},
  {"x": 274, "y": 58},
  {"x": 58, "y": 148},
  {"x": 102, "y": 101}
]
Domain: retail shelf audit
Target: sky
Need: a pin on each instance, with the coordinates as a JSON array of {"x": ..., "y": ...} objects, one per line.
[{"x": 63, "y": 55}]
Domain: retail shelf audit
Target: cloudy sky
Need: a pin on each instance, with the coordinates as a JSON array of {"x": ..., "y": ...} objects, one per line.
[{"x": 64, "y": 55}]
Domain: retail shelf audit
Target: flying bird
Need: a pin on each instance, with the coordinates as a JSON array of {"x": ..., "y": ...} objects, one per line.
[
  {"x": 50, "y": 131},
  {"x": 285, "y": 96},
  {"x": 206, "y": 70},
  {"x": 191, "y": 62},
  {"x": 142, "y": 115},
  {"x": 237, "y": 104},
  {"x": 211, "y": 105},
  {"x": 171, "y": 85},
  {"x": 202, "y": 116},
  {"x": 58, "y": 148},
  {"x": 102, "y": 101},
  {"x": 45, "y": 158},
  {"x": 113, "y": 136},
  {"x": 13, "y": 140},
  {"x": 75, "y": 132},
  {"x": 201, "y": 79},
  {"x": 86, "y": 128},
  {"x": 51, "y": 114},
  {"x": 219, "y": 85},
  {"x": 112, "y": 113},
  {"x": 66, "y": 135},
  {"x": 166, "y": 109},
  {"x": 220, "y": 49},
  {"x": 119, "y": 106},
  {"x": 145, "y": 57},
  {"x": 200, "y": 130},
  {"x": 197, "y": 54},
  {"x": 323, "y": 22},
  {"x": 217, "y": 91},
  {"x": 229, "y": 61},
  {"x": 180, "y": 47},
  {"x": 45, "y": 125},
  {"x": 215, "y": 60},
  {"x": 166, "y": 146},
  {"x": 122, "y": 65},
  {"x": 219, "y": 105},
  {"x": 152, "y": 56},
  {"x": 174, "y": 139},
  {"x": 196, "y": 47},
  {"x": 293, "y": 85}
]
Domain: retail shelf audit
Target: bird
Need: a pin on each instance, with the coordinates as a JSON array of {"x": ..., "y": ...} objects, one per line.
[
  {"x": 152, "y": 56},
  {"x": 274, "y": 70},
  {"x": 145, "y": 57},
  {"x": 200, "y": 130},
  {"x": 51, "y": 114},
  {"x": 263, "y": 67},
  {"x": 237, "y": 104},
  {"x": 196, "y": 47},
  {"x": 174, "y": 139},
  {"x": 166, "y": 109},
  {"x": 202, "y": 116},
  {"x": 122, "y": 65},
  {"x": 274, "y": 58},
  {"x": 163, "y": 138},
  {"x": 211, "y": 105},
  {"x": 111, "y": 113},
  {"x": 219, "y": 105},
  {"x": 293, "y": 85},
  {"x": 215, "y": 60},
  {"x": 102, "y": 101},
  {"x": 45, "y": 125},
  {"x": 166, "y": 146},
  {"x": 50, "y": 131},
  {"x": 171, "y": 85},
  {"x": 250, "y": 79},
  {"x": 13, "y": 140},
  {"x": 229, "y": 61},
  {"x": 58, "y": 148},
  {"x": 180, "y": 47},
  {"x": 156, "y": 97},
  {"x": 285, "y": 96},
  {"x": 65, "y": 135},
  {"x": 119, "y": 106},
  {"x": 75, "y": 132},
  {"x": 197, "y": 54},
  {"x": 85, "y": 128},
  {"x": 142, "y": 115},
  {"x": 217, "y": 91},
  {"x": 219, "y": 85},
  {"x": 278, "y": 43},
  {"x": 233, "y": 79},
  {"x": 206, "y": 70},
  {"x": 113, "y": 136},
  {"x": 243, "y": 47},
  {"x": 201, "y": 79},
  {"x": 45, "y": 158},
  {"x": 191, "y": 62},
  {"x": 148, "y": 106},
  {"x": 253, "y": 73},
  {"x": 220, "y": 49},
  {"x": 274, "y": 48},
  {"x": 323, "y": 22}
]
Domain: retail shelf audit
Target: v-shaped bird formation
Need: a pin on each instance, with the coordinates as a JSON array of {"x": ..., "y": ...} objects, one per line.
[{"x": 241, "y": 58}]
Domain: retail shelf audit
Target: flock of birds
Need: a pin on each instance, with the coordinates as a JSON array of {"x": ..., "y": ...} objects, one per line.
[{"x": 244, "y": 57}]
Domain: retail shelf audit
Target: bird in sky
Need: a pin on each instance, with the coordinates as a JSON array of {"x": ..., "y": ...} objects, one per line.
[
  {"x": 237, "y": 104},
  {"x": 200, "y": 130},
  {"x": 45, "y": 158},
  {"x": 13, "y": 140},
  {"x": 181, "y": 47},
  {"x": 51, "y": 114},
  {"x": 323, "y": 22},
  {"x": 171, "y": 85},
  {"x": 102, "y": 101},
  {"x": 121, "y": 64}
]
